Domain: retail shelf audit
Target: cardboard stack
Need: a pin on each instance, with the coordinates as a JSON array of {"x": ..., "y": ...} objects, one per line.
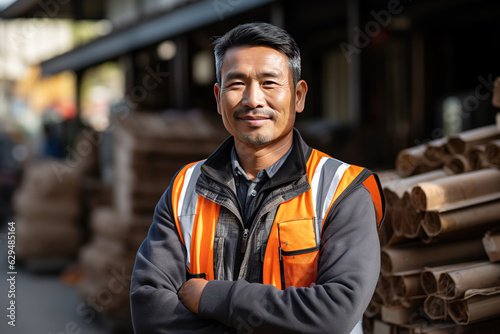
[
  {"x": 148, "y": 150},
  {"x": 467, "y": 151},
  {"x": 107, "y": 261},
  {"x": 470, "y": 150},
  {"x": 440, "y": 248},
  {"x": 48, "y": 208}
]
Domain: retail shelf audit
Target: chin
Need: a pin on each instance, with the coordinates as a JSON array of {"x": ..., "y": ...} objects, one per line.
[{"x": 257, "y": 140}]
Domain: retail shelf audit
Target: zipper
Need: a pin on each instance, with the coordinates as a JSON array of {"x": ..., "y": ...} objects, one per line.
[
  {"x": 234, "y": 198},
  {"x": 268, "y": 205},
  {"x": 244, "y": 240},
  {"x": 282, "y": 267},
  {"x": 282, "y": 270}
]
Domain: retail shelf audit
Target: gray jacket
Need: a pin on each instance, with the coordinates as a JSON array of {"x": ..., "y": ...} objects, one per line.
[{"x": 237, "y": 301}]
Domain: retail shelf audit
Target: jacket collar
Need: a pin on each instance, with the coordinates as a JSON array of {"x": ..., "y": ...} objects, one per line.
[{"x": 218, "y": 165}]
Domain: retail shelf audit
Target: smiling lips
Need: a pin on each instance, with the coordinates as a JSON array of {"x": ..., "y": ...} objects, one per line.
[
  {"x": 254, "y": 117},
  {"x": 254, "y": 120}
]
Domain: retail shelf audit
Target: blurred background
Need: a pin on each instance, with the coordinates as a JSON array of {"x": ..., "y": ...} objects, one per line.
[{"x": 102, "y": 101}]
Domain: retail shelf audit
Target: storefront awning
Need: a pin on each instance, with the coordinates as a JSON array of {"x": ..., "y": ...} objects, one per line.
[{"x": 156, "y": 30}]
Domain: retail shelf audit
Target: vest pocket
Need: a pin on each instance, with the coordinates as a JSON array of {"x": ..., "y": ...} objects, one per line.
[
  {"x": 299, "y": 268},
  {"x": 298, "y": 252}
]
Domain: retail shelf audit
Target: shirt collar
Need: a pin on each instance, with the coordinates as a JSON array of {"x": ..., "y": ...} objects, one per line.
[{"x": 269, "y": 171}]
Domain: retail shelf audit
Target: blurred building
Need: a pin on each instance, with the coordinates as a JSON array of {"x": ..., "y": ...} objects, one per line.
[
  {"x": 382, "y": 75},
  {"x": 380, "y": 72}
]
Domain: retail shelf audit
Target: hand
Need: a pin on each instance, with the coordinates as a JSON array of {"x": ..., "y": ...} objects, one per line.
[{"x": 190, "y": 293}]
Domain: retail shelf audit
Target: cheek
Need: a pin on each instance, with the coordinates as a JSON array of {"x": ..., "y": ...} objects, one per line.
[
  {"x": 276, "y": 95},
  {"x": 226, "y": 105},
  {"x": 231, "y": 98},
  {"x": 281, "y": 101}
]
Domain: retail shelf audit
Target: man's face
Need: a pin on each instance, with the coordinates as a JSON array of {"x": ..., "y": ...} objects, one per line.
[{"x": 256, "y": 96}]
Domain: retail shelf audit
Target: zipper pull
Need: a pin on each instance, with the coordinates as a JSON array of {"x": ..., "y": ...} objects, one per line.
[{"x": 244, "y": 241}]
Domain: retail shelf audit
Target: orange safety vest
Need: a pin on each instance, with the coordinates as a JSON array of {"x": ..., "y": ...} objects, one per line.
[{"x": 291, "y": 257}]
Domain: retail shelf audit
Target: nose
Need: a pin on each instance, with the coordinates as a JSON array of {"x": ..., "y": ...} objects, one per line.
[{"x": 253, "y": 97}]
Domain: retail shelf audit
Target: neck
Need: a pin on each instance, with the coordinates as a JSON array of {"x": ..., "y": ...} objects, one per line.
[{"x": 253, "y": 159}]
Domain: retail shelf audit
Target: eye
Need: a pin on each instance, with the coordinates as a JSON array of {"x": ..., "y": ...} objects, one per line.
[
  {"x": 269, "y": 83},
  {"x": 235, "y": 84}
]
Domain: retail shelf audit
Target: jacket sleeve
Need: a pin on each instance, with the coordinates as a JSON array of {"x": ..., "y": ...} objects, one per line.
[
  {"x": 348, "y": 271},
  {"x": 158, "y": 274}
]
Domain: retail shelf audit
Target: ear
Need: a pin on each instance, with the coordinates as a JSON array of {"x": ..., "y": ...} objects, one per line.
[
  {"x": 217, "y": 97},
  {"x": 300, "y": 96}
]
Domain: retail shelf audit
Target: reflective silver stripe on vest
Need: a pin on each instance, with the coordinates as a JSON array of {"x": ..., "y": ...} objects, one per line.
[
  {"x": 358, "y": 329},
  {"x": 187, "y": 207},
  {"x": 325, "y": 181},
  {"x": 324, "y": 184}
]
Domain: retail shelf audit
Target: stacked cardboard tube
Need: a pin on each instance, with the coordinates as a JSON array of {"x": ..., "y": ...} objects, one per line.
[
  {"x": 470, "y": 150},
  {"x": 440, "y": 255}
]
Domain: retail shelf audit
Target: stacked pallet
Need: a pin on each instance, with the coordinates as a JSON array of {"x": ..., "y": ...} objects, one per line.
[
  {"x": 148, "y": 150},
  {"x": 48, "y": 208},
  {"x": 440, "y": 247}
]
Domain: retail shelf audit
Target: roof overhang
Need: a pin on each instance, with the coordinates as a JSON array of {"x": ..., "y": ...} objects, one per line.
[{"x": 166, "y": 26}]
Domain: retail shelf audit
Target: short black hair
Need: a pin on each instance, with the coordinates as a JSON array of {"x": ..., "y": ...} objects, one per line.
[{"x": 259, "y": 34}]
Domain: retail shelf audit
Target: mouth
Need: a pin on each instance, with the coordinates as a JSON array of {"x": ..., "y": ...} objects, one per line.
[
  {"x": 254, "y": 117},
  {"x": 254, "y": 120}
]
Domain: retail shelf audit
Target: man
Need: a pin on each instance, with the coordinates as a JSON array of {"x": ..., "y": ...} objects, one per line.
[{"x": 267, "y": 235}]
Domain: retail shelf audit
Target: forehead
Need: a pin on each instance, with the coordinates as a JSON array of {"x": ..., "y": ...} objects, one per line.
[{"x": 255, "y": 58}]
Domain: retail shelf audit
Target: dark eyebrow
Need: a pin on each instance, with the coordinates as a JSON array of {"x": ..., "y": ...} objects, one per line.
[
  {"x": 271, "y": 74},
  {"x": 234, "y": 75},
  {"x": 240, "y": 75}
]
